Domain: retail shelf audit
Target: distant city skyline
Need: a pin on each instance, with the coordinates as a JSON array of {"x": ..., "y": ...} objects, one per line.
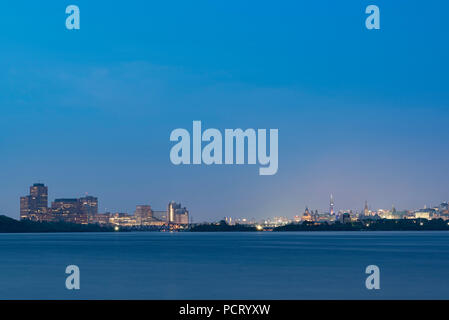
[
  {"x": 35, "y": 206},
  {"x": 361, "y": 114},
  {"x": 84, "y": 210}
]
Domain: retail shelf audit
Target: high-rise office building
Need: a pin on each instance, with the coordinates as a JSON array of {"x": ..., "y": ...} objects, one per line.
[
  {"x": 89, "y": 205},
  {"x": 69, "y": 210},
  {"x": 177, "y": 214},
  {"x": 64, "y": 207},
  {"x": 25, "y": 208},
  {"x": 160, "y": 216},
  {"x": 143, "y": 213},
  {"x": 35, "y": 205},
  {"x": 39, "y": 195}
]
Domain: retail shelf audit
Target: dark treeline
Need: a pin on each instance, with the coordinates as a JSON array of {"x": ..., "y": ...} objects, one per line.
[
  {"x": 9, "y": 225},
  {"x": 221, "y": 226},
  {"x": 371, "y": 225}
]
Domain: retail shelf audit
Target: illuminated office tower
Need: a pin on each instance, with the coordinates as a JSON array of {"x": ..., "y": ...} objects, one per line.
[
  {"x": 142, "y": 213},
  {"x": 25, "y": 208},
  {"x": 66, "y": 207},
  {"x": 39, "y": 196},
  {"x": 69, "y": 210},
  {"x": 172, "y": 206},
  {"x": 35, "y": 205},
  {"x": 176, "y": 214},
  {"x": 89, "y": 205},
  {"x": 160, "y": 216}
]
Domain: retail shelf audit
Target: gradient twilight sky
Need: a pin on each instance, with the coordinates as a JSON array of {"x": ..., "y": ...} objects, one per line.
[{"x": 361, "y": 114}]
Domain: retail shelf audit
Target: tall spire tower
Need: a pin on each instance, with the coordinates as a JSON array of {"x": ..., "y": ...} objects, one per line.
[
  {"x": 331, "y": 206},
  {"x": 366, "y": 209}
]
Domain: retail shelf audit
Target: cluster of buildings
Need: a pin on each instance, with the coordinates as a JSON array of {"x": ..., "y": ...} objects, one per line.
[
  {"x": 84, "y": 210},
  {"x": 346, "y": 216}
]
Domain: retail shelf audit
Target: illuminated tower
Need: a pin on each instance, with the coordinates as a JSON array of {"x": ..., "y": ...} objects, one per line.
[
  {"x": 39, "y": 197},
  {"x": 366, "y": 210},
  {"x": 89, "y": 205},
  {"x": 177, "y": 214},
  {"x": 307, "y": 216},
  {"x": 35, "y": 205},
  {"x": 143, "y": 213},
  {"x": 331, "y": 207}
]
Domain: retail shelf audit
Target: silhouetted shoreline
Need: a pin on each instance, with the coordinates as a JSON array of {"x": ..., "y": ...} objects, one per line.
[
  {"x": 222, "y": 226},
  {"x": 10, "y": 225},
  {"x": 371, "y": 225},
  {"x": 366, "y": 225}
]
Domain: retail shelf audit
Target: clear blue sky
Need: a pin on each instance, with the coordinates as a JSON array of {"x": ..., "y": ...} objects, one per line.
[{"x": 361, "y": 114}]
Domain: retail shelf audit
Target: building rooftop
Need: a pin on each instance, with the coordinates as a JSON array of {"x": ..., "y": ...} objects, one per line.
[
  {"x": 38, "y": 185},
  {"x": 66, "y": 200}
]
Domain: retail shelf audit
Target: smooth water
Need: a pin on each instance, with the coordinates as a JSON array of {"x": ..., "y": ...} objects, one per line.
[{"x": 150, "y": 265}]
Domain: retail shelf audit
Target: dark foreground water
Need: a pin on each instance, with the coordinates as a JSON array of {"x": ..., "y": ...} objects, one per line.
[{"x": 327, "y": 265}]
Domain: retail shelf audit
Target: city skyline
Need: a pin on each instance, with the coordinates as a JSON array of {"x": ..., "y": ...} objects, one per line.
[
  {"x": 84, "y": 210},
  {"x": 361, "y": 114},
  {"x": 37, "y": 204}
]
